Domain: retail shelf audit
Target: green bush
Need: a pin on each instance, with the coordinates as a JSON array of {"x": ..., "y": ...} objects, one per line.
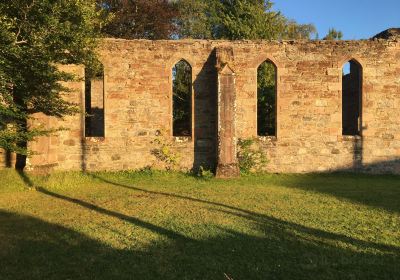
[
  {"x": 165, "y": 153},
  {"x": 251, "y": 158}
]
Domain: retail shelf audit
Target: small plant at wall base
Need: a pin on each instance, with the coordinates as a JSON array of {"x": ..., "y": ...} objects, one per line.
[
  {"x": 165, "y": 153},
  {"x": 250, "y": 156},
  {"x": 204, "y": 173}
]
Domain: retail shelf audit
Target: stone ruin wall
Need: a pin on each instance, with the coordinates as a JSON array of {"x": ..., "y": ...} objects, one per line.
[{"x": 138, "y": 106}]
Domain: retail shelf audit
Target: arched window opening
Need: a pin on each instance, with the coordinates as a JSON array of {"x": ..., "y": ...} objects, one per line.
[
  {"x": 351, "y": 98},
  {"x": 266, "y": 99},
  {"x": 182, "y": 98},
  {"x": 94, "y": 102}
]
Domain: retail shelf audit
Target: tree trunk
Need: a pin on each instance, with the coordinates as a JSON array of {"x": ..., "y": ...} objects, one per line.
[
  {"x": 20, "y": 162},
  {"x": 22, "y": 126},
  {"x": 8, "y": 159}
]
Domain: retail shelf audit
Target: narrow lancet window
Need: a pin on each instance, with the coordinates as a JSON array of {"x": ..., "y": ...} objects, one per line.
[
  {"x": 351, "y": 98},
  {"x": 94, "y": 102},
  {"x": 266, "y": 99},
  {"x": 182, "y": 98}
]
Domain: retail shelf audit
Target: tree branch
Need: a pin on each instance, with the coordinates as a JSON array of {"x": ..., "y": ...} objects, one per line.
[{"x": 20, "y": 42}]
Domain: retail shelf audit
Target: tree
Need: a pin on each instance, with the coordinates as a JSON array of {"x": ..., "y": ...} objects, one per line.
[
  {"x": 299, "y": 31},
  {"x": 36, "y": 36},
  {"x": 247, "y": 19},
  {"x": 333, "y": 34},
  {"x": 140, "y": 19},
  {"x": 194, "y": 19},
  {"x": 236, "y": 19}
]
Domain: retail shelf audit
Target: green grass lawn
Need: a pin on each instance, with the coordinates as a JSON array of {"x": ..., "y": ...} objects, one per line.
[{"x": 131, "y": 225}]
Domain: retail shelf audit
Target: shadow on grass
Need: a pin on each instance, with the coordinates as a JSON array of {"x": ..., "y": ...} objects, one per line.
[
  {"x": 93, "y": 207},
  {"x": 34, "y": 249},
  {"x": 257, "y": 217},
  {"x": 381, "y": 191}
]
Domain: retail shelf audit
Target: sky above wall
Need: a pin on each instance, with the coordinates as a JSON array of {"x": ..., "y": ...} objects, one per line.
[{"x": 357, "y": 19}]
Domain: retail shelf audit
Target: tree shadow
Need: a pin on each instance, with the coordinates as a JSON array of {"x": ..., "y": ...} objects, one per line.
[
  {"x": 25, "y": 178},
  {"x": 258, "y": 217},
  {"x": 382, "y": 191},
  {"x": 35, "y": 249},
  {"x": 98, "y": 209},
  {"x": 379, "y": 191},
  {"x": 277, "y": 249},
  {"x": 122, "y": 217}
]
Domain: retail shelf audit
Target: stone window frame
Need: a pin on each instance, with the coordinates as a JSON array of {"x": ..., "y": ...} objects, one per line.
[
  {"x": 363, "y": 94},
  {"x": 93, "y": 139},
  {"x": 279, "y": 70},
  {"x": 171, "y": 65}
]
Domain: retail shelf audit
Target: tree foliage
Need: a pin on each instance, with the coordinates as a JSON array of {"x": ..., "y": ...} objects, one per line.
[
  {"x": 36, "y": 36},
  {"x": 140, "y": 19},
  {"x": 236, "y": 20},
  {"x": 334, "y": 34},
  {"x": 195, "y": 19}
]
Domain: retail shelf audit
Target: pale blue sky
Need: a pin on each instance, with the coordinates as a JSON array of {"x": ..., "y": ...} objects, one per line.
[{"x": 357, "y": 19}]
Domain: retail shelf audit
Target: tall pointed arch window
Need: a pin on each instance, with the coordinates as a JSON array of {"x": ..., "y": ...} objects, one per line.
[
  {"x": 351, "y": 98},
  {"x": 266, "y": 99},
  {"x": 182, "y": 98},
  {"x": 94, "y": 102}
]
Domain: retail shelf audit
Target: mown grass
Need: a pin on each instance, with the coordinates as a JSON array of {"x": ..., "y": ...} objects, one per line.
[{"x": 155, "y": 225}]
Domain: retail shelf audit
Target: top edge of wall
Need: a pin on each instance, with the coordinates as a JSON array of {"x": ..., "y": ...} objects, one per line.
[{"x": 187, "y": 41}]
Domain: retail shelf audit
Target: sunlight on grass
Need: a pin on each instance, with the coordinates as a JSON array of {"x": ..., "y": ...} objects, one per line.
[{"x": 175, "y": 226}]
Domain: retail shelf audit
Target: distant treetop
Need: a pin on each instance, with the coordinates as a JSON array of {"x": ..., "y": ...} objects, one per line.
[
  {"x": 334, "y": 34},
  {"x": 387, "y": 34}
]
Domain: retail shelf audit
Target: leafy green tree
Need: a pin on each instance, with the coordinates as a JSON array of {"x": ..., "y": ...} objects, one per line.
[
  {"x": 247, "y": 19},
  {"x": 140, "y": 19},
  {"x": 293, "y": 30},
  {"x": 194, "y": 19},
  {"x": 35, "y": 37},
  {"x": 236, "y": 20},
  {"x": 334, "y": 34}
]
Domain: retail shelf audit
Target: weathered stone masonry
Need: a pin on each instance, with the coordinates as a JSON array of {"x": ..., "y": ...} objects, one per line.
[{"x": 138, "y": 106}]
